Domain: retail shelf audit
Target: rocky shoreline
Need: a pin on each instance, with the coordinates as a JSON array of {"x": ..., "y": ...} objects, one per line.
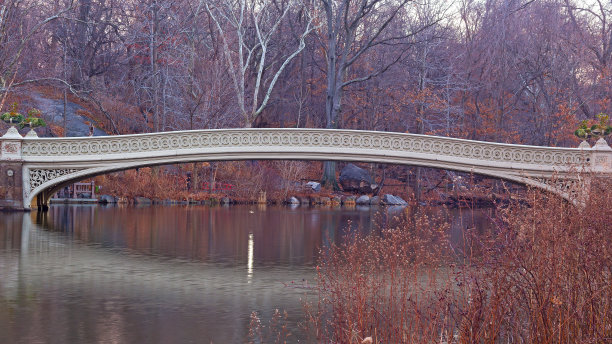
[{"x": 338, "y": 200}]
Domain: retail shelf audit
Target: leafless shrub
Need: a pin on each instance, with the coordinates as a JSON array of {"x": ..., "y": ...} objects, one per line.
[
  {"x": 289, "y": 171},
  {"x": 276, "y": 331},
  {"x": 543, "y": 275}
]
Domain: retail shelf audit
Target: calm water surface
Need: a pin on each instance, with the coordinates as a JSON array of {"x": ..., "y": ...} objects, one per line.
[{"x": 93, "y": 274}]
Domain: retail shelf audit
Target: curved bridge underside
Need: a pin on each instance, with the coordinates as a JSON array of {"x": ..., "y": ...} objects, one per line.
[{"x": 50, "y": 163}]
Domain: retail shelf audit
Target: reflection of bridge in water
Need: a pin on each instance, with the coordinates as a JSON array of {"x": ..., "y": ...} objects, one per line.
[{"x": 34, "y": 168}]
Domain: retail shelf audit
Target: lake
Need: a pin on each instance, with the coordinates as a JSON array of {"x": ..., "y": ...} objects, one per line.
[{"x": 170, "y": 274}]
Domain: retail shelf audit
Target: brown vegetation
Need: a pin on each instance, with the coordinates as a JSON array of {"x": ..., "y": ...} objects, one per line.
[
  {"x": 542, "y": 276},
  {"x": 143, "y": 182},
  {"x": 243, "y": 181},
  {"x": 499, "y": 70}
]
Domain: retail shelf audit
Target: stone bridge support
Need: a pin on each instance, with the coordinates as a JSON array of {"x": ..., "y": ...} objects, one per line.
[
  {"x": 11, "y": 171},
  {"x": 11, "y": 185}
]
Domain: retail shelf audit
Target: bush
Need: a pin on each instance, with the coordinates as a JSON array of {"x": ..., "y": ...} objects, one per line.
[{"x": 543, "y": 275}]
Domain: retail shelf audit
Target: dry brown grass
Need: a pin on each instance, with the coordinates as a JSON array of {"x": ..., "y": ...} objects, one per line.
[
  {"x": 542, "y": 276},
  {"x": 275, "y": 331},
  {"x": 144, "y": 182}
]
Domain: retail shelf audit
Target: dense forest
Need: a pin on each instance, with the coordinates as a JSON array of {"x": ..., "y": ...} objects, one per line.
[{"x": 515, "y": 71}]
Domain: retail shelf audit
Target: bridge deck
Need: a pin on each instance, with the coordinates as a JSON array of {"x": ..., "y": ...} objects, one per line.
[{"x": 51, "y": 162}]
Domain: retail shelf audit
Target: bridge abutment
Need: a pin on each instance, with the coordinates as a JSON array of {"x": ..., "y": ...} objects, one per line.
[
  {"x": 11, "y": 171},
  {"x": 11, "y": 186}
]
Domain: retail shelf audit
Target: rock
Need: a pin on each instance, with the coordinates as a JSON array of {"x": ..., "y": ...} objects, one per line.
[
  {"x": 225, "y": 200},
  {"x": 393, "y": 200},
  {"x": 375, "y": 200},
  {"x": 105, "y": 199},
  {"x": 76, "y": 124},
  {"x": 142, "y": 200},
  {"x": 355, "y": 179},
  {"x": 315, "y": 186},
  {"x": 293, "y": 200},
  {"x": 336, "y": 201},
  {"x": 349, "y": 200},
  {"x": 395, "y": 209},
  {"x": 363, "y": 200}
]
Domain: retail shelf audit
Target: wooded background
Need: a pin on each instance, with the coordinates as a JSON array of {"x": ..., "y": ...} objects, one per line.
[{"x": 515, "y": 71}]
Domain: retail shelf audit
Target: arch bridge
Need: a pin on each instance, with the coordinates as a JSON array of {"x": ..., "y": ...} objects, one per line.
[{"x": 32, "y": 168}]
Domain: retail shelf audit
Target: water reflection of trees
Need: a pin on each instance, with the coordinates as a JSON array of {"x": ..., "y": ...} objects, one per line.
[{"x": 280, "y": 234}]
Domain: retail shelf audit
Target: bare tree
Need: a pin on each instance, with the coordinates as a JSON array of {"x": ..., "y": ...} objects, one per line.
[
  {"x": 353, "y": 28},
  {"x": 591, "y": 21},
  {"x": 20, "y": 21},
  {"x": 248, "y": 30},
  {"x": 159, "y": 50}
]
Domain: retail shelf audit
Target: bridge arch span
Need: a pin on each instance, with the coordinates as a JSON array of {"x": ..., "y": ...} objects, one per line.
[
  {"x": 50, "y": 187},
  {"x": 50, "y": 163}
]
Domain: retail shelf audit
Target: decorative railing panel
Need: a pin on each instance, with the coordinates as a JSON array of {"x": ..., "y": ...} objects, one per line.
[
  {"x": 300, "y": 139},
  {"x": 40, "y": 176}
]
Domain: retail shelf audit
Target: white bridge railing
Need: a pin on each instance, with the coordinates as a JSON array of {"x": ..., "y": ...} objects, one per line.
[
  {"x": 51, "y": 162},
  {"x": 125, "y": 146}
]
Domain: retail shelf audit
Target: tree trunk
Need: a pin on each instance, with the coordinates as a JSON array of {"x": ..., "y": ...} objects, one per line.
[
  {"x": 65, "y": 92},
  {"x": 329, "y": 175},
  {"x": 153, "y": 61},
  {"x": 329, "y": 167},
  {"x": 417, "y": 185},
  {"x": 194, "y": 177},
  {"x": 419, "y": 170},
  {"x": 211, "y": 178},
  {"x": 332, "y": 110},
  {"x": 76, "y": 73}
]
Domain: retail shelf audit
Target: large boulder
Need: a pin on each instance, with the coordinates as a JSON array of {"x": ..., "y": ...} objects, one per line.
[
  {"x": 363, "y": 200},
  {"x": 393, "y": 200},
  {"x": 314, "y": 186},
  {"x": 142, "y": 200},
  {"x": 356, "y": 179},
  {"x": 105, "y": 199},
  {"x": 293, "y": 200}
]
